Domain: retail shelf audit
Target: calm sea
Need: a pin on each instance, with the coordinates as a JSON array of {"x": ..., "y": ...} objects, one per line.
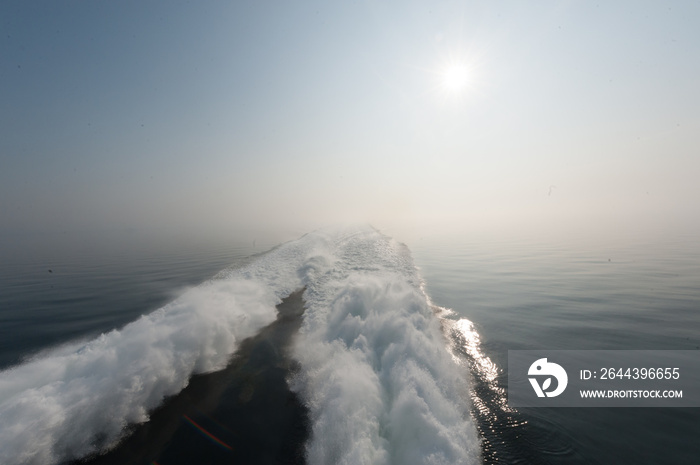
[
  {"x": 524, "y": 294},
  {"x": 63, "y": 287},
  {"x": 559, "y": 293}
]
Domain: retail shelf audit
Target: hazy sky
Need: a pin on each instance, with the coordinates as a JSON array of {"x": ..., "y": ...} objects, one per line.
[{"x": 216, "y": 115}]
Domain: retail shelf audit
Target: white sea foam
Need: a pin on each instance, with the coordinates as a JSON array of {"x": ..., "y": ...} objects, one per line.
[
  {"x": 77, "y": 399},
  {"x": 375, "y": 372}
]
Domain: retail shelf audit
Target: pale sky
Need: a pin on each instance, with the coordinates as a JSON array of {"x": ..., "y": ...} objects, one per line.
[{"x": 215, "y": 115}]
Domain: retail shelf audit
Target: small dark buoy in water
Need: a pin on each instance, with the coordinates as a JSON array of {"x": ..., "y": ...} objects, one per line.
[{"x": 50, "y": 271}]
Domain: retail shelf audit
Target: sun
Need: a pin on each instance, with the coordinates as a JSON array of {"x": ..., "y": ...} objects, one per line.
[{"x": 455, "y": 78}]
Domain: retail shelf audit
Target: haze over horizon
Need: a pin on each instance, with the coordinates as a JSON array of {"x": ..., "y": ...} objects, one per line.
[{"x": 218, "y": 116}]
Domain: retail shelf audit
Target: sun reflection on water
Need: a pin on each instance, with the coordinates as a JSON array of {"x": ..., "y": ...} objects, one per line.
[{"x": 493, "y": 417}]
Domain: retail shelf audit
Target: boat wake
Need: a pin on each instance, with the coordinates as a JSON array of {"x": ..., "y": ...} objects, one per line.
[{"x": 375, "y": 369}]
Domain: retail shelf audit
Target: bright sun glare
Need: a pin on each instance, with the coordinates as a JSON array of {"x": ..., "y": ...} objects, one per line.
[{"x": 455, "y": 78}]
